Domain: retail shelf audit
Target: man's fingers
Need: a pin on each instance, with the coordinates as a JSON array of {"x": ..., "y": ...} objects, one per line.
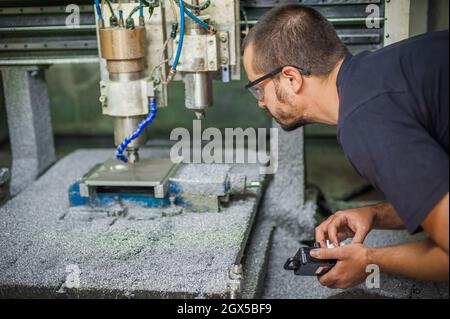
[
  {"x": 337, "y": 229},
  {"x": 343, "y": 235},
  {"x": 325, "y": 253},
  {"x": 321, "y": 232},
  {"x": 328, "y": 280},
  {"x": 360, "y": 235},
  {"x": 333, "y": 231},
  {"x": 320, "y": 236}
]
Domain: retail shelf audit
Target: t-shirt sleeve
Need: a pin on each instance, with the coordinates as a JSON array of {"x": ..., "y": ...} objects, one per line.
[{"x": 393, "y": 150}]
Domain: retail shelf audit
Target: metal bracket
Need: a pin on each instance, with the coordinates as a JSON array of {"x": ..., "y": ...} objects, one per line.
[{"x": 234, "y": 281}]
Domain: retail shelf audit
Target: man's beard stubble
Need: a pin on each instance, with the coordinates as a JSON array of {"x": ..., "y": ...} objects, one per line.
[
  {"x": 282, "y": 98},
  {"x": 288, "y": 128}
]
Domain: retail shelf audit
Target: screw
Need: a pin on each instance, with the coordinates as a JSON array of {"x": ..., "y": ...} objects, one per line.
[
  {"x": 223, "y": 38},
  {"x": 224, "y": 60},
  {"x": 254, "y": 184},
  {"x": 102, "y": 100},
  {"x": 172, "y": 201}
]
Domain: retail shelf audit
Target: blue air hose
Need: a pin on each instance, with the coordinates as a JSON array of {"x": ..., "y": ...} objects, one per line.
[
  {"x": 99, "y": 11},
  {"x": 196, "y": 19},
  {"x": 151, "y": 116},
  {"x": 180, "y": 43},
  {"x": 141, "y": 8}
]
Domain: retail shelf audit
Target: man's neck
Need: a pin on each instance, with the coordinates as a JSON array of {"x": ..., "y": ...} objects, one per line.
[{"x": 327, "y": 105}]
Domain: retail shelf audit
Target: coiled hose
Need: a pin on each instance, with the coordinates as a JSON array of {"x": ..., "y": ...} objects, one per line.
[{"x": 151, "y": 116}]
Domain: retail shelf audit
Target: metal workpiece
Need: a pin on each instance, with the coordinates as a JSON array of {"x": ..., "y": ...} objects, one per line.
[
  {"x": 150, "y": 175},
  {"x": 123, "y": 49}
]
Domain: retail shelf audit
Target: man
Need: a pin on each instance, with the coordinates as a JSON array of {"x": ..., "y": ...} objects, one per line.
[{"x": 392, "y": 110}]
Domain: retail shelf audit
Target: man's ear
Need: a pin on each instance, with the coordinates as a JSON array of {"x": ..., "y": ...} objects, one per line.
[{"x": 292, "y": 78}]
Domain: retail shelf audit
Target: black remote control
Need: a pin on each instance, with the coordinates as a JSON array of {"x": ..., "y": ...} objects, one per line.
[{"x": 303, "y": 264}]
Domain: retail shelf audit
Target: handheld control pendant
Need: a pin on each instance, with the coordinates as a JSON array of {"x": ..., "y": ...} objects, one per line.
[{"x": 303, "y": 264}]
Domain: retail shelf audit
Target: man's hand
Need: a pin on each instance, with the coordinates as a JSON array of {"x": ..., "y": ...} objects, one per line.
[
  {"x": 353, "y": 223},
  {"x": 350, "y": 270}
]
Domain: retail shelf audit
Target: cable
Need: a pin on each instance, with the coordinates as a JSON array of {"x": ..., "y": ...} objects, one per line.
[
  {"x": 110, "y": 7},
  {"x": 132, "y": 12},
  {"x": 173, "y": 69},
  {"x": 140, "y": 8},
  {"x": 151, "y": 117},
  {"x": 247, "y": 28},
  {"x": 174, "y": 10},
  {"x": 164, "y": 60},
  {"x": 202, "y": 6},
  {"x": 196, "y": 19}
]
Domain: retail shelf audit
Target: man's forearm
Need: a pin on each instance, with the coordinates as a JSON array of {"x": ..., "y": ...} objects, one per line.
[
  {"x": 386, "y": 217},
  {"x": 421, "y": 260}
]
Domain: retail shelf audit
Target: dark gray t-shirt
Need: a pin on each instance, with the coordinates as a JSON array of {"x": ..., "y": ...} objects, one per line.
[{"x": 393, "y": 122}]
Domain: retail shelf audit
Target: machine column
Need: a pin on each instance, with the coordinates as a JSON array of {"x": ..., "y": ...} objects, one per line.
[{"x": 29, "y": 121}]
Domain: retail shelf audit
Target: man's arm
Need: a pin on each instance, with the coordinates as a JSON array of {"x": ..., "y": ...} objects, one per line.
[
  {"x": 421, "y": 260},
  {"x": 386, "y": 217},
  {"x": 436, "y": 224},
  {"x": 426, "y": 260}
]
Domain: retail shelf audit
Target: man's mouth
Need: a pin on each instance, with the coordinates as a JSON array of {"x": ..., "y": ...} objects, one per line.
[{"x": 288, "y": 127}]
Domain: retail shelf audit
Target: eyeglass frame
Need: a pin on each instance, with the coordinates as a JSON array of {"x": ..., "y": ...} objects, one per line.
[{"x": 271, "y": 74}]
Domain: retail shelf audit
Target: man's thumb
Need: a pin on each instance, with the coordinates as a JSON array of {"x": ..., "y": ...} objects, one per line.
[{"x": 326, "y": 253}]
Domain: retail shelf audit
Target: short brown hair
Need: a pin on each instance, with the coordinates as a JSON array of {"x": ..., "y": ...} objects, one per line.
[{"x": 295, "y": 35}]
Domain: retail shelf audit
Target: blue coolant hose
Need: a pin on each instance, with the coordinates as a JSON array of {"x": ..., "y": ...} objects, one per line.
[{"x": 151, "y": 116}]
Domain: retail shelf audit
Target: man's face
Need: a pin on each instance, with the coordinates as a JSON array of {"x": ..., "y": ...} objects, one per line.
[{"x": 280, "y": 98}]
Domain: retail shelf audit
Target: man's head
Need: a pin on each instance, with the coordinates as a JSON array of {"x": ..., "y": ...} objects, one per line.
[{"x": 303, "y": 46}]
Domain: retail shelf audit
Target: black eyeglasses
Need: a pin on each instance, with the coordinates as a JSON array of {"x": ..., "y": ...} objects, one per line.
[{"x": 258, "y": 93}]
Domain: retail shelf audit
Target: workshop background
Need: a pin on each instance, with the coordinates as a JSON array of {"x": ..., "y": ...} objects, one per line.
[{"x": 78, "y": 123}]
